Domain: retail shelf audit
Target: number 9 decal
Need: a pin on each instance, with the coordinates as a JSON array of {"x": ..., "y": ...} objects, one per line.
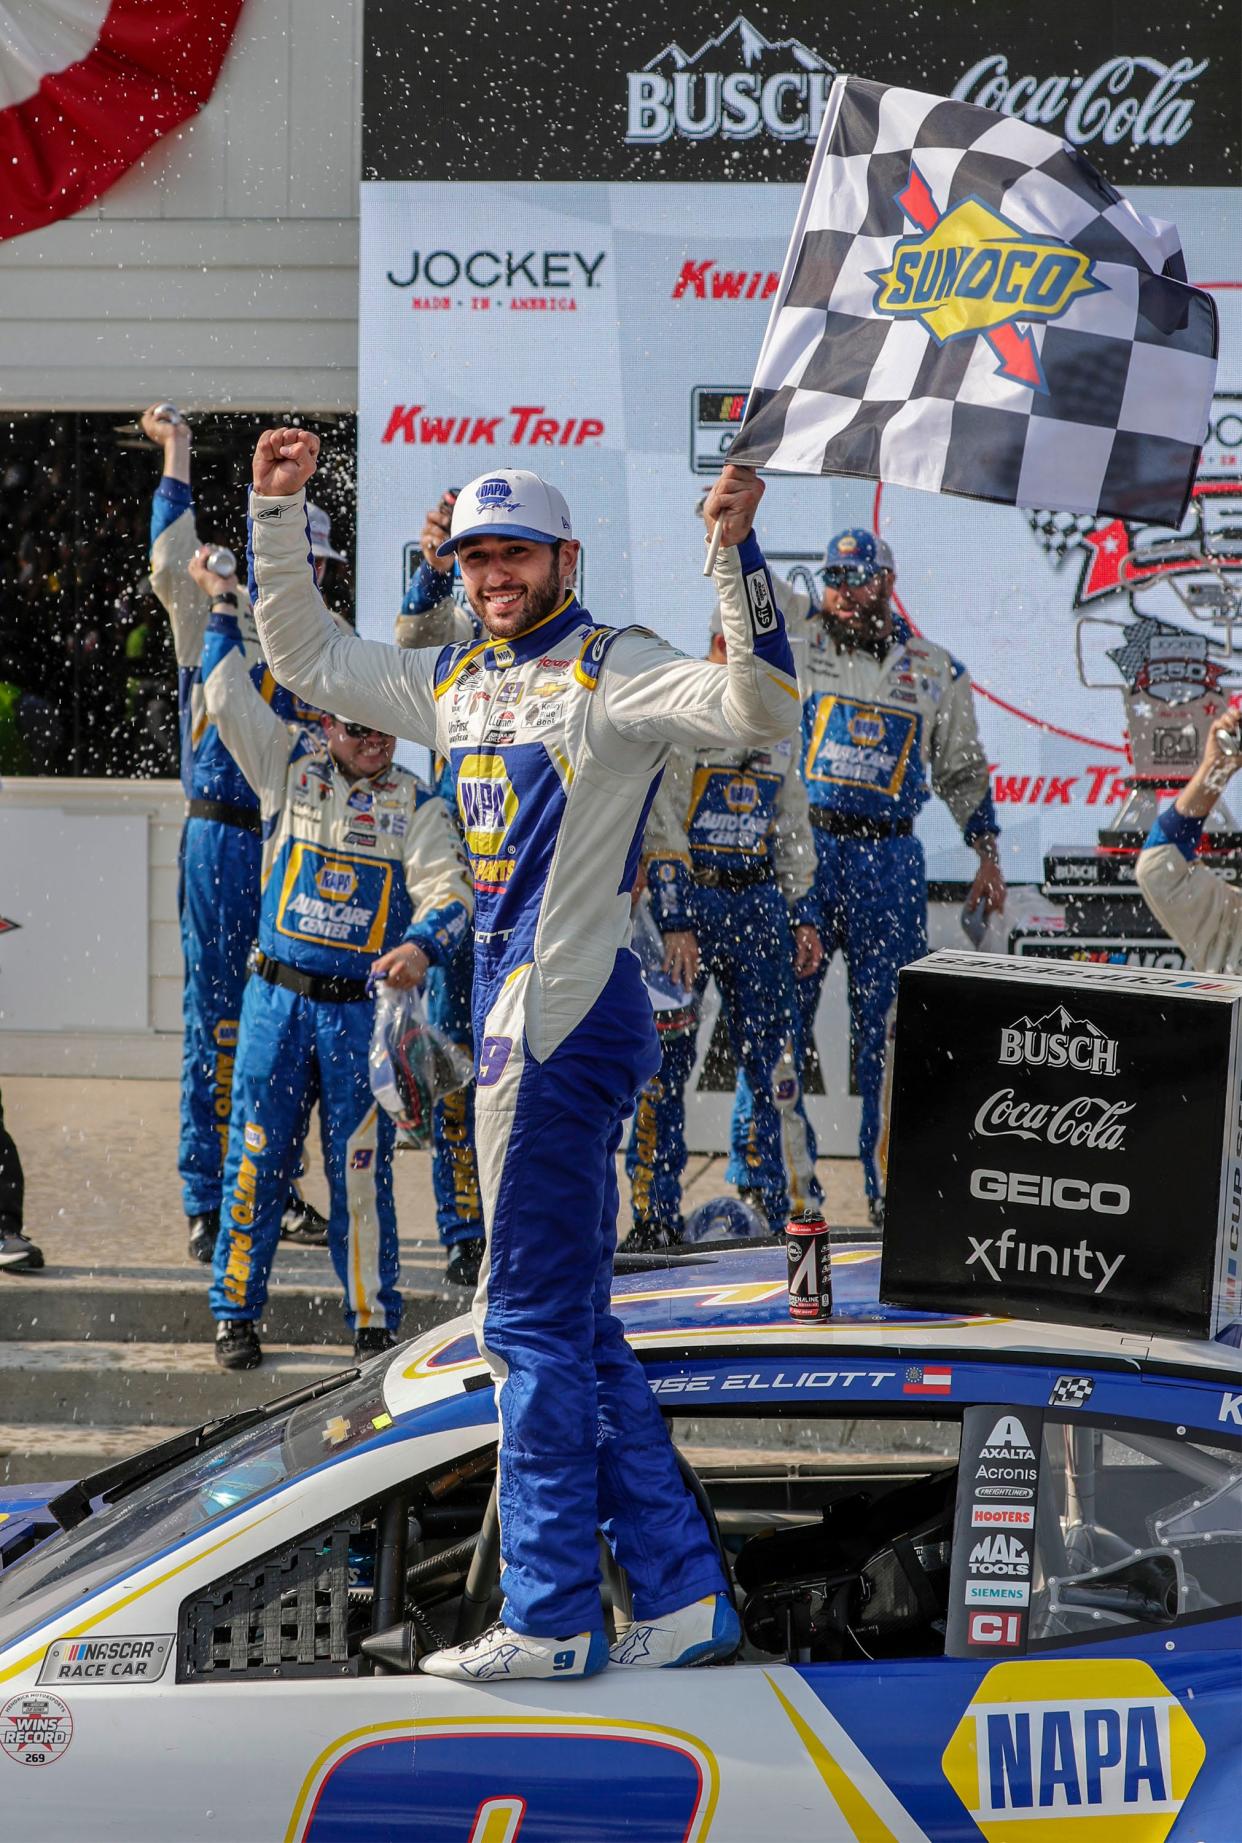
[{"x": 493, "y": 1057}]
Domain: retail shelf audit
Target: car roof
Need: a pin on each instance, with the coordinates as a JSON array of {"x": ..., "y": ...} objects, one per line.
[{"x": 734, "y": 1299}]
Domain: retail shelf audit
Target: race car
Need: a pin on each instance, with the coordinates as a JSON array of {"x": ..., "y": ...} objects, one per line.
[{"x": 989, "y": 1574}]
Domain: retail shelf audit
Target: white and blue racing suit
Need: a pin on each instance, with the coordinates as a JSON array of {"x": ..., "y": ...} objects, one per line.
[
  {"x": 218, "y": 861},
  {"x": 351, "y": 868},
  {"x": 558, "y": 739},
  {"x": 879, "y": 735}
]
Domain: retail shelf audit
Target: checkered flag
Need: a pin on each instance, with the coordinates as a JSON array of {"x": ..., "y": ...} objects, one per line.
[
  {"x": 968, "y": 307},
  {"x": 1057, "y": 533},
  {"x": 1070, "y": 1391}
]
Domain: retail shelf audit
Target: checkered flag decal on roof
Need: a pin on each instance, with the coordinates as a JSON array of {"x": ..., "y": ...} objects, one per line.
[
  {"x": 968, "y": 307},
  {"x": 1070, "y": 1391}
]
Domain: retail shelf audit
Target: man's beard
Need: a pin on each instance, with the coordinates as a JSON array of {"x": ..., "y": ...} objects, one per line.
[
  {"x": 863, "y": 631},
  {"x": 541, "y": 599}
]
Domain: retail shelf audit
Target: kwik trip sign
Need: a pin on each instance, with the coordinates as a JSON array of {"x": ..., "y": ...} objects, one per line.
[
  {"x": 672, "y": 93},
  {"x": 1032, "y": 1138}
]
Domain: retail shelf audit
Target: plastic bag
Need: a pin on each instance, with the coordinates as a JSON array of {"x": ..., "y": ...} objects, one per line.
[
  {"x": 412, "y": 1064},
  {"x": 675, "y": 1008}
]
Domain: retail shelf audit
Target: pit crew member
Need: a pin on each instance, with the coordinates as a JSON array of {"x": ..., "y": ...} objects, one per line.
[
  {"x": 430, "y": 617},
  {"x": 886, "y": 712},
  {"x": 218, "y": 880},
  {"x": 363, "y": 873},
  {"x": 558, "y": 731},
  {"x": 1201, "y": 912},
  {"x": 727, "y": 854}
]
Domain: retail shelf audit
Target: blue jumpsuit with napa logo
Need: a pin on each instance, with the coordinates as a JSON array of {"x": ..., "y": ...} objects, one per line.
[
  {"x": 728, "y": 854},
  {"x": 218, "y": 859},
  {"x": 879, "y": 735},
  {"x": 350, "y": 870},
  {"x": 429, "y": 617}
]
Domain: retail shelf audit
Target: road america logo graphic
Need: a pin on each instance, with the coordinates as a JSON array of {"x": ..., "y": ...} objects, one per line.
[
  {"x": 1041, "y": 1746},
  {"x": 971, "y": 273}
]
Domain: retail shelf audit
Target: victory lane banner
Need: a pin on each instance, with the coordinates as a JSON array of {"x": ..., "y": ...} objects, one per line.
[
  {"x": 1066, "y": 1144},
  {"x": 968, "y": 307}
]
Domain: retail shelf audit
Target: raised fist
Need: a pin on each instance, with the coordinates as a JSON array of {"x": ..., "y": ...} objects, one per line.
[{"x": 284, "y": 461}]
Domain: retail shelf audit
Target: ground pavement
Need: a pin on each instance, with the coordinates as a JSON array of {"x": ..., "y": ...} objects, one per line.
[{"x": 109, "y": 1348}]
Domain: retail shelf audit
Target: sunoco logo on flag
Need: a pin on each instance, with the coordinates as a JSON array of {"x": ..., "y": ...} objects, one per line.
[{"x": 967, "y": 306}]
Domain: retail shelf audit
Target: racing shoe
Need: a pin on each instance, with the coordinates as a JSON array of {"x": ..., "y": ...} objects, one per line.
[
  {"x": 17, "y": 1255},
  {"x": 501, "y": 1655},
  {"x": 706, "y": 1632},
  {"x": 237, "y": 1344},
  {"x": 203, "y": 1229},
  {"x": 465, "y": 1259},
  {"x": 648, "y": 1235},
  {"x": 303, "y": 1224},
  {"x": 875, "y": 1209},
  {"x": 372, "y": 1341}
]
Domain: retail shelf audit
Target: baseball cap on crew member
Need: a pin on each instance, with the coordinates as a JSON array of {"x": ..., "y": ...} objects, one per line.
[
  {"x": 320, "y": 526},
  {"x": 858, "y": 549},
  {"x": 508, "y": 503}
]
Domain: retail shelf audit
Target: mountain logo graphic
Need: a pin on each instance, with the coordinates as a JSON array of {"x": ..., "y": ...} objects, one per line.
[
  {"x": 737, "y": 86},
  {"x": 1058, "y": 1041}
]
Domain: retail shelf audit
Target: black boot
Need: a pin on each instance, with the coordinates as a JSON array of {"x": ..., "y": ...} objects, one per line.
[
  {"x": 303, "y": 1224},
  {"x": 465, "y": 1259},
  {"x": 203, "y": 1232},
  {"x": 648, "y": 1235},
  {"x": 237, "y": 1344},
  {"x": 17, "y": 1253},
  {"x": 371, "y": 1342}
]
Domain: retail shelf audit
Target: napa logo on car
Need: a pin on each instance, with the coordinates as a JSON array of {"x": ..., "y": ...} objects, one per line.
[
  {"x": 487, "y": 802},
  {"x": 336, "y": 882},
  {"x": 971, "y": 273},
  {"x": 1043, "y": 1745}
]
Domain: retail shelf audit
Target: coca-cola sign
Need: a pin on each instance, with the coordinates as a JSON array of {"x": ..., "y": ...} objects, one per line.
[
  {"x": 1086, "y": 1120},
  {"x": 1125, "y": 98}
]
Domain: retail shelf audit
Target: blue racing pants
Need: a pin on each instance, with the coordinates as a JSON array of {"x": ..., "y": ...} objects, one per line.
[
  {"x": 872, "y": 900},
  {"x": 454, "y": 1164},
  {"x": 583, "y": 1446},
  {"x": 218, "y": 906},
  {"x": 290, "y": 1045},
  {"x": 746, "y": 945}
]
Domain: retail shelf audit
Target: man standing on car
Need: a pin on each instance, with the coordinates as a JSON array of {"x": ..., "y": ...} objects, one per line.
[
  {"x": 886, "y": 713},
  {"x": 558, "y": 732},
  {"x": 363, "y": 874}
]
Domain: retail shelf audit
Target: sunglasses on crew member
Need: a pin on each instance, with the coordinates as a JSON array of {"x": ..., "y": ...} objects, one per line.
[
  {"x": 359, "y": 730},
  {"x": 846, "y": 575}
]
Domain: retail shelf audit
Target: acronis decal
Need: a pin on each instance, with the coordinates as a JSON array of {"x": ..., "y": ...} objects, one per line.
[{"x": 971, "y": 273}]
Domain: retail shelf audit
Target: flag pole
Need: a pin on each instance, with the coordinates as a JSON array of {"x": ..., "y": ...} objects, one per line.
[{"x": 713, "y": 548}]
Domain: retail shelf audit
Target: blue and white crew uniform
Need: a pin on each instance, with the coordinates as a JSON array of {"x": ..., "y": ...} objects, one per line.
[
  {"x": 880, "y": 734},
  {"x": 728, "y": 854},
  {"x": 558, "y": 739},
  {"x": 430, "y": 617},
  {"x": 218, "y": 863},
  {"x": 351, "y": 869},
  {"x": 1198, "y": 909}
]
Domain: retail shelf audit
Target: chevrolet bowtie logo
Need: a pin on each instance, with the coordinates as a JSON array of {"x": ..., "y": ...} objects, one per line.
[{"x": 971, "y": 273}]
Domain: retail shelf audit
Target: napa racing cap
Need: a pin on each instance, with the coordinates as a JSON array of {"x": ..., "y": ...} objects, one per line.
[
  {"x": 509, "y": 503},
  {"x": 858, "y": 550}
]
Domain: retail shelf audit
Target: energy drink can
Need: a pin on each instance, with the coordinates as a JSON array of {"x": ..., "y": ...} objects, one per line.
[
  {"x": 810, "y": 1267},
  {"x": 221, "y": 561}
]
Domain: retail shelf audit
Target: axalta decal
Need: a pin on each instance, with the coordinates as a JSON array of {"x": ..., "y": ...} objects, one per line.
[
  {"x": 971, "y": 273},
  {"x": 736, "y": 86},
  {"x": 523, "y": 425},
  {"x": 1044, "y": 1747}
]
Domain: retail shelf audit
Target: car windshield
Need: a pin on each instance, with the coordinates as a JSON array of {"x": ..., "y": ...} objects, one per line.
[{"x": 157, "y": 1514}]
